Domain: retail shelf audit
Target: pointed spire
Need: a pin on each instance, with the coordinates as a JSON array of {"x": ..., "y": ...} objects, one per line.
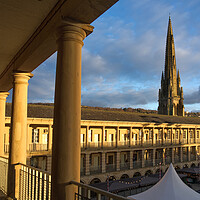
[{"x": 178, "y": 75}]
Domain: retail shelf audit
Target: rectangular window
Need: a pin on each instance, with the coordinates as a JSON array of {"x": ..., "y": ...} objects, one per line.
[
  {"x": 106, "y": 132},
  {"x": 112, "y": 137},
  {"x": 184, "y": 134},
  {"x": 91, "y": 135},
  {"x": 35, "y": 135},
  {"x": 176, "y": 134},
  {"x": 197, "y": 134}
]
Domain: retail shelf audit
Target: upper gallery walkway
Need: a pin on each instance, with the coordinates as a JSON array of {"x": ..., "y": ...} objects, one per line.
[{"x": 30, "y": 32}]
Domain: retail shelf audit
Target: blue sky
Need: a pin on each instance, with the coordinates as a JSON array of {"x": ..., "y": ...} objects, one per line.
[{"x": 123, "y": 58}]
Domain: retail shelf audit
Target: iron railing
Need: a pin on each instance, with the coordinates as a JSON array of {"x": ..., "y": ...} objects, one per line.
[
  {"x": 3, "y": 174},
  {"x": 137, "y": 164},
  {"x": 32, "y": 183},
  {"x": 87, "y": 192},
  {"x": 110, "y": 167},
  {"x": 38, "y": 147}
]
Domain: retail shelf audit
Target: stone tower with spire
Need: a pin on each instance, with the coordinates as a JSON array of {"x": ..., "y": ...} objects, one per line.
[{"x": 171, "y": 92}]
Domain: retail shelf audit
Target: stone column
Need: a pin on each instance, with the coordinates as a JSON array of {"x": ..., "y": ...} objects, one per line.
[
  {"x": 117, "y": 136},
  {"x": 188, "y": 136},
  {"x": 154, "y": 157},
  {"x": 189, "y": 153},
  {"x": 3, "y": 96},
  {"x": 118, "y": 161},
  {"x": 131, "y": 159},
  {"x": 103, "y": 162},
  {"x": 103, "y": 137},
  {"x": 195, "y": 135},
  {"x": 143, "y": 164},
  {"x": 67, "y": 111},
  {"x": 163, "y": 135},
  {"x": 172, "y": 155},
  {"x": 87, "y": 164},
  {"x": 19, "y": 118},
  {"x": 87, "y": 136},
  {"x": 50, "y": 137},
  {"x": 130, "y": 137},
  {"x": 153, "y": 137},
  {"x": 172, "y": 136},
  {"x": 17, "y": 153},
  {"x": 163, "y": 156},
  {"x": 181, "y": 154}
]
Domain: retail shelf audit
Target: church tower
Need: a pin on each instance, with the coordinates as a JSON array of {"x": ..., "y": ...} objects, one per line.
[{"x": 171, "y": 92}]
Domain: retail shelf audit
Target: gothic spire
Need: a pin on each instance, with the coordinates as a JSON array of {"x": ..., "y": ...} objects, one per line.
[{"x": 171, "y": 93}]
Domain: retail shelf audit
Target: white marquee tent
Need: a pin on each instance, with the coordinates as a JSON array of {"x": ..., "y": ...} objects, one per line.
[{"x": 170, "y": 187}]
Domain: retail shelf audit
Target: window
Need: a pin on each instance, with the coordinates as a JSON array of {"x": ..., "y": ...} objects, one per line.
[
  {"x": 112, "y": 137},
  {"x": 106, "y": 132},
  {"x": 110, "y": 159},
  {"x": 197, "y": 134},
  {"x": 176, "y": 134},
  {"x": 184, "y": 134},
  {"x": 35, "y": 135},
  {"x": 91, "y": 135}
]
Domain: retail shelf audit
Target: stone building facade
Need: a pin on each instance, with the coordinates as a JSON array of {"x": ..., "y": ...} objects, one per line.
[
  {"x": 171, "y": 92},
  {"x": 111, "y": 147}
]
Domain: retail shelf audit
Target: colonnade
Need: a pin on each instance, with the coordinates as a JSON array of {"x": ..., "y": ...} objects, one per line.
[{"x": 67, "y": 114}]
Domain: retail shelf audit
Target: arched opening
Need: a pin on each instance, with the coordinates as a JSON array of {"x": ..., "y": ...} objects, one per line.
[
  {"x": 185, "y": 166},
  {"x": 149, "y": 172},
  {"x": 124, "y": 176},
  {"x": 137, "y": 174},
  {"x": 95, "y": 180},
  {"x": 177, "y": 167},
  {"x": 193, "y": 165}
]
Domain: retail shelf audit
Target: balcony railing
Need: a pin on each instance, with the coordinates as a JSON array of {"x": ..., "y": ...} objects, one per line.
[
  {"x": 110, "y": 144},
  {"x": 110, "y": 167},
  {"x": 31, "y": 183},
  {"x": 87, "y": 192},
  {"x": 148, "y": 163},
  {"x": 185, "y": 158},
  {"x": 136, "y": 143},
  {"x": 95, "y": 169},
  {"x": 176, "y": 141},
  {"x": 184, "y": 141},
  {"x": 176, "y": 159},
  {"x": 94, "y": 144},
  {"x": 167, "y": 142},
  {"x": 158, "y": 142},
  {"x": 6, "y": 148},
  {"x": 137, "y": 164},
  {"x": 38, "y": 147},
  {"x": 192, "y": 157},
  {"x": 125, "y": 166},
  {"x": 158, "y": 161},
  {"x": 147, "y": 143},
  {"x": 168, "y": 160},
  {"x": 83, "y": 145},
  {"x": 82, "y": 171},
  {"x": 192, "y": 140},
  {"x": 3, "y": 174},
  {"x": 124, "y": 143}
]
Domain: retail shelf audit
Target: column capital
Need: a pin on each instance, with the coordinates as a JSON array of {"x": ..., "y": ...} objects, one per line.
[
  {"x": 73, "y": 30},
  {"x": 3, "y": 95},
  {"x": 21, "y": 77}
]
